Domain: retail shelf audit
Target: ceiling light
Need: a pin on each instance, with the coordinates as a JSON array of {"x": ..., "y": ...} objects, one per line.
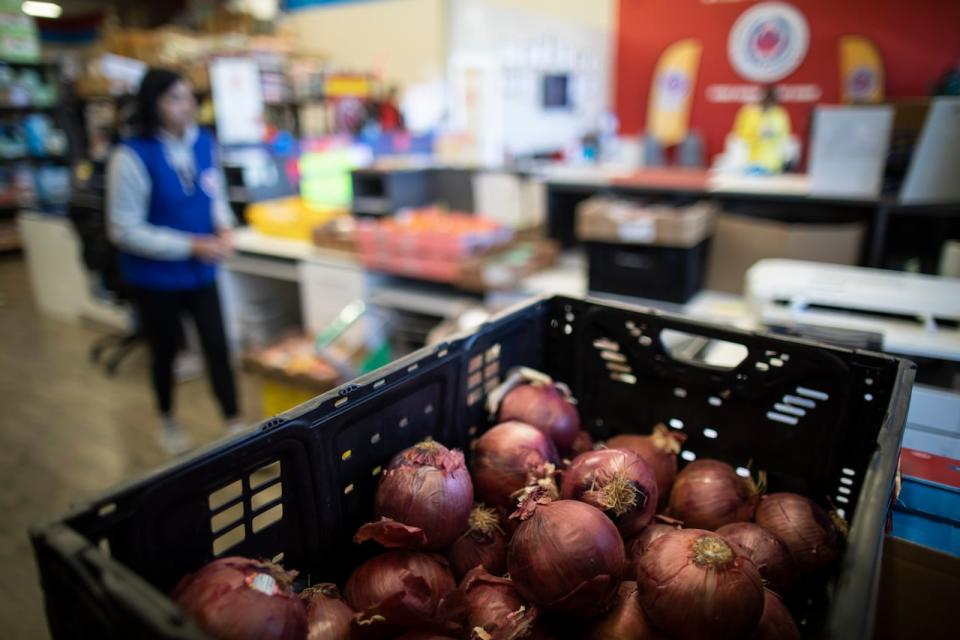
[{"x": 42, "y": 9}]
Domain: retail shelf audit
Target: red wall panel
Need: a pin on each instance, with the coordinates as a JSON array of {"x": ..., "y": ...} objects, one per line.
[{"x": 917, "y": 40}]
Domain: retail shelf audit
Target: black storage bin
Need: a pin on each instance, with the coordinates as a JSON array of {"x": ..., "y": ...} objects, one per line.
[
  {"x": 302, "y": 482},
  {"x": 673, "y": 274}
]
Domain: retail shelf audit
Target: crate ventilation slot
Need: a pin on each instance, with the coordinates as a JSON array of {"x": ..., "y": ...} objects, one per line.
[
  {"x": 247, "y": 506},
  {"x": 795, "y": 406},
  {"x": 483, "y": 374},
  {"x": 845, "y": 488},
  {"x": 615, "y": 361},
  {"x": 638, "y": 332}
]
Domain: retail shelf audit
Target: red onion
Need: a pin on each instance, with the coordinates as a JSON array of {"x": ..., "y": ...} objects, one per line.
[
  {"x": 636, "y": 545},
  {"x": 708, "y": 494},
  {"x": 423, "y": 500},
  {"x": 617, "y": 482},
  {"x": 240, "y": 598},
  {"x": 484, "y": 544},
  {"x": 582, "y": 443},
  {"x": 404, "y": 591},
  {"x": 693, "y": 584},
  {"x": 328, "y": 616},
  {"x": 660, "y": 450},
  {"x": 813, "y": 538},
  {"x": 625, "y": 620},
  {"x": 776, "y": 623},
  {"x": 565, "y": 556},
  {"x": 546, "y": 406},
  {"x": 506, "y": 457},
  {"x": 767, "y": 552},
  {"x": 495, "y": 607}
]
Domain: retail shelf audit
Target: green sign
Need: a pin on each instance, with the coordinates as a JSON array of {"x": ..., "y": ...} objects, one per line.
[{"x": 19, "y": 41}]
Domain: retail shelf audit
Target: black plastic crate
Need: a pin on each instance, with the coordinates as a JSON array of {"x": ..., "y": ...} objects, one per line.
[
  {"x": 299, "y": 485},
  {"x": 673, "y": 274}
]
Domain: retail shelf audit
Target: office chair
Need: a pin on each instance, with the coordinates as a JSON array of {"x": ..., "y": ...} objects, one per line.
[{"x": 86, "y": 212}]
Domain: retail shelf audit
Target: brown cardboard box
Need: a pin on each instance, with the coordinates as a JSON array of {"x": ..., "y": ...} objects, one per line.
[
  {"x": 601, "y": 219},
  {"x": 918, "y": 593},
  {"x": 739, "y": 242}
]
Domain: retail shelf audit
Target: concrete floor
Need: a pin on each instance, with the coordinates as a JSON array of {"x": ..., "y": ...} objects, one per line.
[{"x": 67, "y": 432}]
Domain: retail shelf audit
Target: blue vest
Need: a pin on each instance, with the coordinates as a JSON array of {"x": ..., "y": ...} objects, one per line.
[{"x": 171, "y": 205}]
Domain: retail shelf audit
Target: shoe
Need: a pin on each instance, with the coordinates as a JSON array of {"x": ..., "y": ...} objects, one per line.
[{"x": 174, "y": 440}]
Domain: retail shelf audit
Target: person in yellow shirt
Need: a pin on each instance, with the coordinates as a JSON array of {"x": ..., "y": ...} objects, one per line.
[{"x": 765, "y": 129}]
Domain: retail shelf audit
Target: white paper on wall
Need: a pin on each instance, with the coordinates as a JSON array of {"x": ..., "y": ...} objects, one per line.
[{"x": 238, "y": 100}]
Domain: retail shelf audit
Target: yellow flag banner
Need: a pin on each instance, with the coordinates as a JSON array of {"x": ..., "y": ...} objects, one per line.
[
  {"x": 674, "y": 80},
  {"x": 861, "y": 71}
]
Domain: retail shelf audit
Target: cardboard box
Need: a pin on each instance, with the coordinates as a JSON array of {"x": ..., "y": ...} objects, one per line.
[
  {"x": 918, "y": 593},
  {"x": 601, "y": 219},
  {"x": 739, "y": 242}
]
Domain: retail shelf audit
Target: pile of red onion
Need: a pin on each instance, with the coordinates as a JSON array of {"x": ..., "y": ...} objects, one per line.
[
  {"x": 507, "y": 458},
  {"x": 617, "y": 482},
  {"x": 708, "y": 494},
  {"x": 483, "y": 545},
  {"x": 590, "y": 558},
  {"x": 660, "y": 450},
  {"x": 694, "y": 584},
  {"x": 582, "y": 570},
  {"x": 534, "y": 398},
  {"x": 240, "y": 598},
  {"x": 423, "y": 500}
]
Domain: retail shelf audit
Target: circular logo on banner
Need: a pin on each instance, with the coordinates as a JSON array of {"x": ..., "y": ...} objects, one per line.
[
  {"x": 863, "y": 83},
  {"x": 674, "y": 85},
  {"x": 768, "y": 41}
]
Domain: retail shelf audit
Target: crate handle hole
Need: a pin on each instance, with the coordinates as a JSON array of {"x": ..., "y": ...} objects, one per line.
[{"x": 702, "y": 351}]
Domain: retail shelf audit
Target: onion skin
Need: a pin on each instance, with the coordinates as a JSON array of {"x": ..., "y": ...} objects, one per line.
[
  {"x": 484, "y": 544},
  {"x": 243, "y": 599},
  {"x": 617, "y": 482},
  {"x": 767, "y": 552},
  {"x": 708, "y": 494},
  {"x": 496, "y": 607},
  {"x": 565, "y": 556},
  {"x": 692, "y": 583},
  {"x": 660, "y": 450},
  {"x": 636, "y": 545},
  {"x": 776, "y": 623},
  {"x": 328, "y": 616},
  {"x": 545, "y": 407},
  {"x": 506, "y": 458},
  {"x": 805, "y": 528},
  {"x": 625, "y": 620},
  {"x": 404, "y": 591},
  {"x": 423, "y": 499}
]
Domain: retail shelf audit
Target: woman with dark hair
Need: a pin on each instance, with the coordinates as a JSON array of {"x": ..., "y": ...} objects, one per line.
[{"x": 169, "y": 217}]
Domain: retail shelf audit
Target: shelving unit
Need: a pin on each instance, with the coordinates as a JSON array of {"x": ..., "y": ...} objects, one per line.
[{"x": 20, "y": 171}]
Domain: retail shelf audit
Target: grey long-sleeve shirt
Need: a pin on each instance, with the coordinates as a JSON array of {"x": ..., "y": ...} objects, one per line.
[{"x": 128, "y": 200}]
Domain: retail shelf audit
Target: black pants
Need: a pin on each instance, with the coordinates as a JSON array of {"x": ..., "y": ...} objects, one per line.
[{"x": 161, "y": 315}]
